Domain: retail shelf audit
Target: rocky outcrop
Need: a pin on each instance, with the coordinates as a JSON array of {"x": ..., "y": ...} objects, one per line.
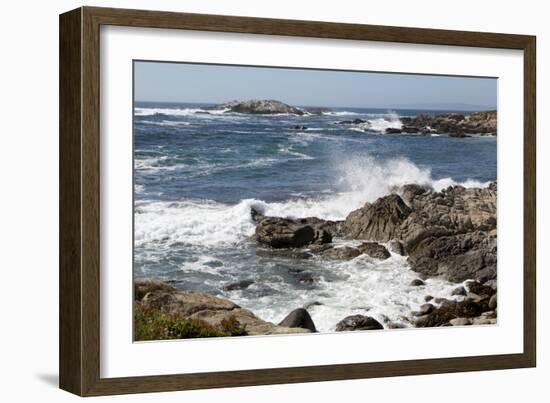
[
  {"x": 358, "y": 322},
  {"x": 260, "y": 107},
  {"x": 451, "y": 233},
  {"x": 379, "y": 221},
  {"x": 209, "y": 309},
  {"x": 474, "y": 309},
  {"x": 454, "y": 124}
]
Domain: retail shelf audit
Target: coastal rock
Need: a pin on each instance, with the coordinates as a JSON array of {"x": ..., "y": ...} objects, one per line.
[
  {"x": 238, "y": 285},
  {"x": 143, "y": 286},
  {"x": 185, "y": 303},
  {"x": 456, "y": 257},
  {"x": 299, "y": 318},
  {"x": 352, "y": 122},
  {"x": 374, "y": 250},
  {"x": 455, "y": 124},
  {"x": 460, "y": 322},
  {"x": 424, "y": 309},
  {"x": 341, "y": 253},
  {"x": 396, "y": 246},
  {"x": 417, "y": 283},
  {"x": 447, "y": 311},
  {"x": 480, "y": 289},
  {"x": 459, "y": 291},
  {"x": 379, "y": 221},
  {"x": 261, "y": 107},
  {"x": 279, "y": 232},
  {"x": 358, "y": 322},
  {"x": 284, "y": 233},
  {"x": 213, "y": 310}
]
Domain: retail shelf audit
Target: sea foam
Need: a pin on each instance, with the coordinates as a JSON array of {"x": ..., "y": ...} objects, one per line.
[{"x": 210, "y": 223}]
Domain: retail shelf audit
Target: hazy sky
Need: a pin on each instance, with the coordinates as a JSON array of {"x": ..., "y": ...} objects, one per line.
[{"x": 179, "y": 82}]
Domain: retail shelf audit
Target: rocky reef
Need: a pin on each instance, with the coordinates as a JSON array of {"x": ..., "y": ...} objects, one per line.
[
  {"x": 453, "y": 124},
  {"x": 260, "y": 107},
  {"x": 449, "y": 234}
]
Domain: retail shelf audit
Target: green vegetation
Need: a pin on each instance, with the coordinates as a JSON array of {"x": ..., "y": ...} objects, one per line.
[{"x": 151, "y": 324}]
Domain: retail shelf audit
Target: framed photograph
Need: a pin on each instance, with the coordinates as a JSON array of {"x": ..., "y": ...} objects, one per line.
[{"x": 249, "y": 201}]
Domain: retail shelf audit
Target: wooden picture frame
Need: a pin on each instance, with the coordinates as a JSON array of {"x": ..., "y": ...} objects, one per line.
[{"x": 79, "y": 346}]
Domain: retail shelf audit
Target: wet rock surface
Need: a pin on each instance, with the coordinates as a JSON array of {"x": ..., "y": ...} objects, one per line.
[{"x": 358, "y": 322}]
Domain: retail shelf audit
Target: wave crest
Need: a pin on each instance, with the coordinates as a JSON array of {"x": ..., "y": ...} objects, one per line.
[{"x": 208, "y": 223}]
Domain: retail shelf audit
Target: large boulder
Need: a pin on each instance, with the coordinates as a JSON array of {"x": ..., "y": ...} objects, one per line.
[
  {"x": 299, "y": 318},
  {"x": 379, "y": 221},
  {"x": 358, "y": 322},
  {"x": 374, "y": 250},
  {"x": 284, "y": 233}
]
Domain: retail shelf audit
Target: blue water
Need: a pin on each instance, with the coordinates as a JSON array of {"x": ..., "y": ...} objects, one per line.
[{"x": 198, "y": 173}]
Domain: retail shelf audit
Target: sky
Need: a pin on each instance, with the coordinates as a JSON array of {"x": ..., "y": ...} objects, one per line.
[{"x": 183, "y": 82}]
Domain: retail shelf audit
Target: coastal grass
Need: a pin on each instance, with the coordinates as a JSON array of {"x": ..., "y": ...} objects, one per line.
[{"x": 152, "y": 324}]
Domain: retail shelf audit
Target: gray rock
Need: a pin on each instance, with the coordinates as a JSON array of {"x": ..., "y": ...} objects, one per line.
[
  {"x": 379, "y": 221},
  {"x": 417, "y": 282},
  {"x": 396, "y": 246},
  {"x": 396, "y": 325},
  {"x": 459, "y": 291},
  {"x": 461, "y": 321},
  {"x": 358, "y": 322},
  {"x": 491, "y": 283},
  {"x": 299, "y": 318},
  {"x": 455, "y": 124},
  {"x": 284, "y": 233},
  {"x": 374, "y": 250},
  {"x": 447, "y": 311},
  {"x": 428, "y": 298},
  {"x": 238, "y": 285},
  {"x": 483, "y": 321},
  {"x": 480, "y": 289},
  {"x": 341, "y": 253},
  {"x": 456, "y": 257},
  {"x": 260, "y": 106},
  {"x": 425, "y": 309}
]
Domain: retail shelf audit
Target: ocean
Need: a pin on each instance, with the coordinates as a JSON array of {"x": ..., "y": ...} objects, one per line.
[{"x": 198, "y": 172}]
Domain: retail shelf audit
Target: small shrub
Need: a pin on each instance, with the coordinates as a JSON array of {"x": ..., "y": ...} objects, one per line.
[
  {"x": 151, "y": 324},
  {"x": 232, "y": 326}
]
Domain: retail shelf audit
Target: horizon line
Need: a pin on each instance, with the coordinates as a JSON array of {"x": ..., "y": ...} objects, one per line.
[{"x": 465, "y": 108}]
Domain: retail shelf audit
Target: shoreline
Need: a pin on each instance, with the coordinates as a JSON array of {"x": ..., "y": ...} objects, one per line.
[{"x": 457, "y": 225}]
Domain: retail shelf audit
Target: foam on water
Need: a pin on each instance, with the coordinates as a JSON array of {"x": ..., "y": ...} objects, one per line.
[
  {"x": 367, "y": 286},
  {"x": 176, "y": 111},
  {"x": 211, "y": 223}
]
